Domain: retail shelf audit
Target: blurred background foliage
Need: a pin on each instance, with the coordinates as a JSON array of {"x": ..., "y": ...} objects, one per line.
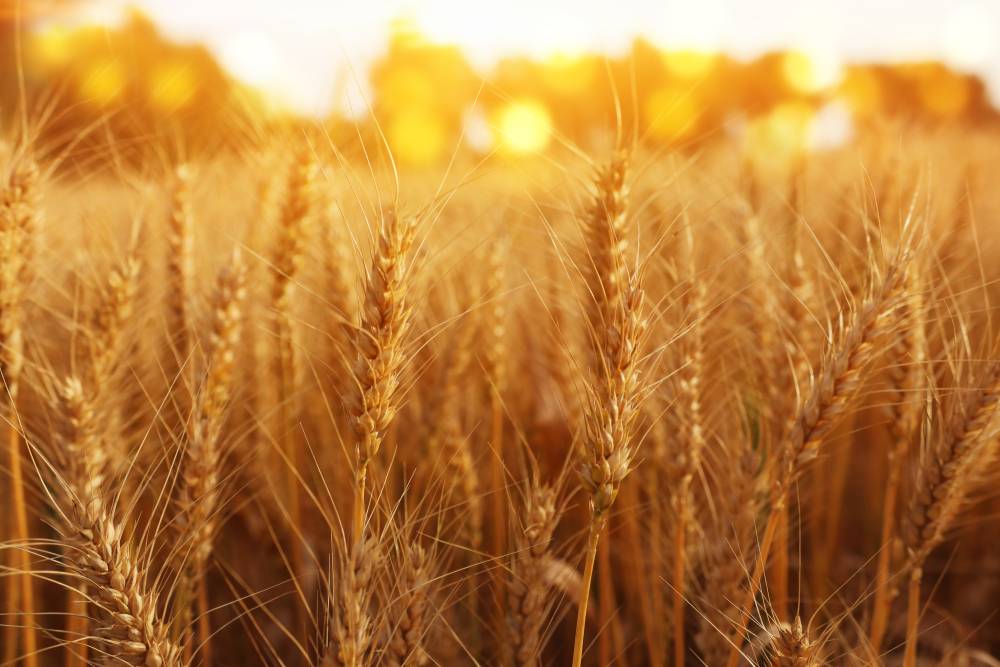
[{"x": 98, "y": 94}]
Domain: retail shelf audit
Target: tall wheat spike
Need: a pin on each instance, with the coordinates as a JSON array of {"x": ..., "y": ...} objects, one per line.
[
  {"x": 88, "y": 443},
  {"x": 528, "y": 594},
  {"x": 847, "y": 358},
  {"x": 380, "y": 339},
  {"x": 347, "y": 627},
  {"x": 948, "y": 471},
  {"x": 286, "y": 260},
  {"x": 406, "y": 646},
  {"x": 127, "y": 626},
  {"x": 180, "y": 272},
  {"x": 18, "y": 223},
  {"x": 907, "y": 380},
  {"x": 689, "y": 454},
  {"x": 617, "y": 327},
  {"x": 199, "y": 478}
]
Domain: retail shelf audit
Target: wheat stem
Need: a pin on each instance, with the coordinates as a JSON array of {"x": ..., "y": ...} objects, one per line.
[
  {"x": 678, "y": 585},
  {"x": 590, "y": 556},
  {"x": 912, "y": 618}
]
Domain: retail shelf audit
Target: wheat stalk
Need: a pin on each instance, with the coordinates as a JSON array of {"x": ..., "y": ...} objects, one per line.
[
  {"x": 907, "y": 378},
  {"x": 385, "y": 320},
  {"x": 617, "y": 329},
  {"x": 528, "y": 587},
  {"x": 946, "y": 476},
  {"x": 180, "y": 268},
  {"x": 689, "y": 454},
  {"x": 724, "y": 562},
  {"x": 18, "y": 222},
  {"x": 495, "y": 365},
  {"x": 348, "y": 628},
  {"x": 285, "y": 263},
  {"x": 198, "y": 492},
  {"x": 406, "y": 643},
  {"x": 128, "y": 629},
  {"x": 847, "y": 358}
]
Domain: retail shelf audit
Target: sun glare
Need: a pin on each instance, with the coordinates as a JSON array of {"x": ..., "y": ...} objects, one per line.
[
  {"x": 172, "y": 86},
  {"x": 671, "y": 112},
  {"x": 773, "y": 140},
  {"x": 417, "y": 137},
  {"x": 54, "y": 45},
  {"x": 406, "y": 88},
  {"x": 688, "y": 63},
  {"x": 103, "y": 83},
  {"x": 524, "y": 127},
  {"x": 860, "y": 89},
  {"x": 252, "y": 56},
  {"x": 811, "y": 72},
  {"x": 568, "y": 74}
]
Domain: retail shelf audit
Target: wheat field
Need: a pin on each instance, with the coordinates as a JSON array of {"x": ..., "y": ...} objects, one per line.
[{"x": 621, "y": 405}]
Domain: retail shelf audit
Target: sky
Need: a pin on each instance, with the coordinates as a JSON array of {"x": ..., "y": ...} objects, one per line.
[{"x": 299, "y": 49}]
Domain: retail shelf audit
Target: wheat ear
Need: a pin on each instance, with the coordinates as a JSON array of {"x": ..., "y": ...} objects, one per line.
[
  {"x": 85, "y": 451},
  {"x": 907, "y": 381},
  {"x": 128, "y": 628},
  {"x": 348, "y": 628},
  {"x": 617, "y": 328},
  {"x": 385, "y": 320},
  {"x": 828, "y": 401},
  {"x": 787, "y": 645},
  {"x": 528, "y": 588},
  {"x": 18, "y": 222},
  {"x": 947, "y": 473},
  {"x": 292, "y": 227},
  {"x": 180, "y": 270},
  {"x": 199, "y": 477},
  {"x": 406, "y": 643},
  {"x": 339, "y": 295},
  {"x": 693, "y": 443}
]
